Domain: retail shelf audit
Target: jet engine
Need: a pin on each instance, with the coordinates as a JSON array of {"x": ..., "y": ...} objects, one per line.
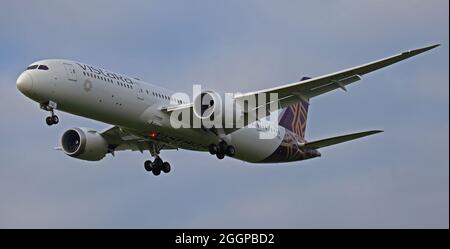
[
  {"x": 214, "y": 109},
  {"x": 207, "y": 105},
  {"x": 83, "y": 143}
]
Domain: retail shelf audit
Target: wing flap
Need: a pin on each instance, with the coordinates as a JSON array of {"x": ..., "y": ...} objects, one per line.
[
  {"x": 339, "y": 139},
  {"x": 120, "y": 140}
]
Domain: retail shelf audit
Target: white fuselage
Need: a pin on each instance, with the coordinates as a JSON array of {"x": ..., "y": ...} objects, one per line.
[{"x": 133, "y": 105}]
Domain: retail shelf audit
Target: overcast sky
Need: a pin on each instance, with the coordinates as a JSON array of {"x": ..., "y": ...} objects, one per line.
[{"x": 397, "y": 179}]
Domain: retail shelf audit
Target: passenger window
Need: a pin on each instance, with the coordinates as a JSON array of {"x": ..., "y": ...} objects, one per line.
[{"x": 32, "y": 67}]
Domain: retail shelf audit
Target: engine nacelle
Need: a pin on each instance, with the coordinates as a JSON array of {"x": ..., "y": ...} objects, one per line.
[
  {"x": 206, "y": 104},
  {"x": 83, "y": 143},
  {"x": 214, "y": 109}
]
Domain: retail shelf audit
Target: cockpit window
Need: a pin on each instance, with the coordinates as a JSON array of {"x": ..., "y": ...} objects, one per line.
[
  {"x": 32, "y": 67},
  {"x": 43, "y": 67}
]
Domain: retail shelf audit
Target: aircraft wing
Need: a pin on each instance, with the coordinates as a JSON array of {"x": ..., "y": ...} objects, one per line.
[
  {"x": 336, "y": 140},
  {"x": 306, "y": 89}
]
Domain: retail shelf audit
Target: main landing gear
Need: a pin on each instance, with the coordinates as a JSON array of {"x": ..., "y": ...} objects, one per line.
[
  {"x": 222, "y": 149},
  {"x": 157, "y": 166},
  {"x": 52, "y": 119}
]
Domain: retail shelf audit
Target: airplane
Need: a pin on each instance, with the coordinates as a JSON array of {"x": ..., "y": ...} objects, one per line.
[{"x": 139, "y": 114}]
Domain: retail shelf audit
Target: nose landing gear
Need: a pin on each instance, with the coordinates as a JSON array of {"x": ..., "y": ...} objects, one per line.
[
  {"x": 52, "y": 119},
  {"x": 222, "y": 149}
]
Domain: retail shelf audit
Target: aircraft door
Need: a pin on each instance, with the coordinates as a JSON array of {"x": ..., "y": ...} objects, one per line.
[
  {"x": 71, "y": 73},
  {"x": 139, "y": 91}
]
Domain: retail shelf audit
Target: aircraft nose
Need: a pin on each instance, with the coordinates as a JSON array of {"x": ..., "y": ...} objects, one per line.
[{"x": 24, "y": 83}]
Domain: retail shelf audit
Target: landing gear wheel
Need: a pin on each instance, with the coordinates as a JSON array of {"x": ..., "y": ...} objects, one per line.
[
  {"x": 213, "y": 149},
  {"x": 55, "y": 119},
  {"x": 156, "y": 171},
  {"x": 222, "y": 147},
  {"x": 230, "y": 150},
  {"x": 158, "y": 163},
  {"x": 49, "y": 120},
  {"x": 148, "y": 165},
  {"x": 220, "y": 155},
  {"x": 165, "y": 167}
]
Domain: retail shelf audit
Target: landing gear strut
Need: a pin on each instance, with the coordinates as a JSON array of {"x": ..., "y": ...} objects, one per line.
[
  {"x": 52, "y": 119},
  {"x": 222, "y": 149}
]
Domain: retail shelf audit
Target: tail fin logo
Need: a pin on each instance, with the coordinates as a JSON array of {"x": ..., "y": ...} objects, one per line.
[{"x": 294, "y": 118}]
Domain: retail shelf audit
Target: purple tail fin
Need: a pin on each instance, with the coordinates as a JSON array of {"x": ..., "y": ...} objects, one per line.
[{"x": 294, "y": 117}]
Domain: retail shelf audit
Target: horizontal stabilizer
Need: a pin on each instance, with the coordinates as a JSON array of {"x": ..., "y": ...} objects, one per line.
[{"x": 336, "y": 140}]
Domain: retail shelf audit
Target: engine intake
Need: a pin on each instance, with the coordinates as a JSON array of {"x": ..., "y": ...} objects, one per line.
[
  {"x": 207, "y": 104},
  {"x": 83, "y": 143}
]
